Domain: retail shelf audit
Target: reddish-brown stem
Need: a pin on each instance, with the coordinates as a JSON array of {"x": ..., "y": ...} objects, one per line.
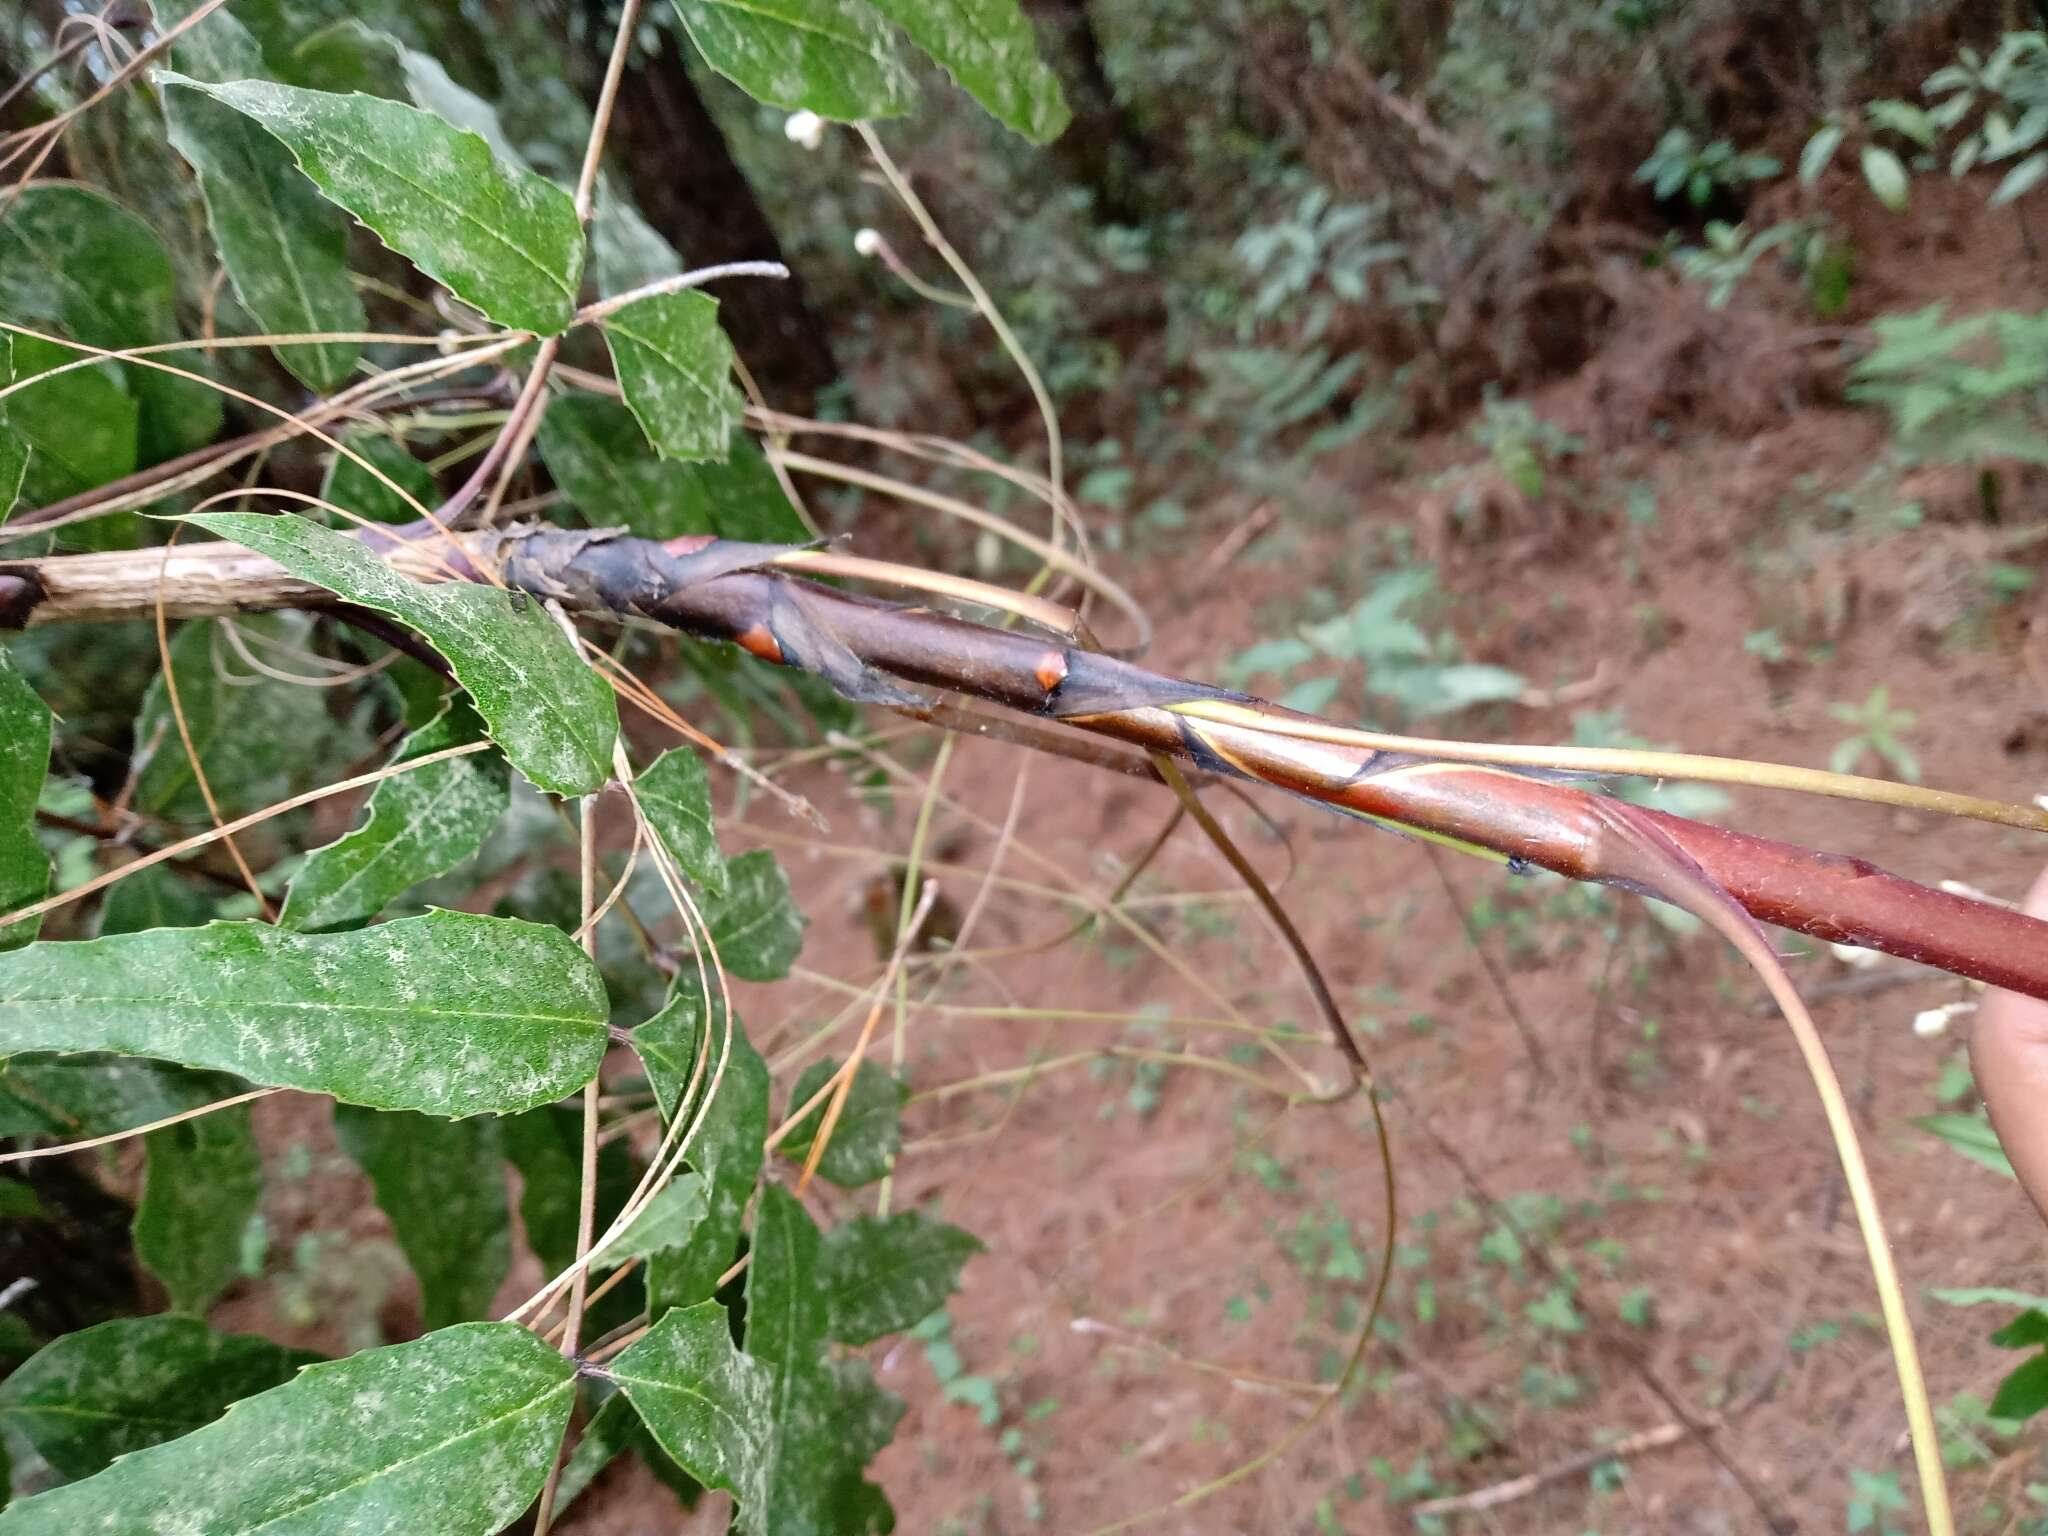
[{"x": 866, "y": 648}]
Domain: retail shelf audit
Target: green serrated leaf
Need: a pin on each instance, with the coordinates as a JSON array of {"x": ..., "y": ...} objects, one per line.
[
  {"x": 882, "y": 1274},
  {"x": 675, "y": 797},
  {"x": 825, "y": 1422},
  {"x": 450, "y": 1014},
  {"x": 257, "y": 739},
  {"x": 869, "y": 1131},
  {"x": 664, "y": 1226},
  {"x": 24, "y": 765},
  {"x": 675, "y": 369},
  {"x": 831, "y": 57},
  {"x": 123, "y": 1386},
  {"x": 453, "y": 1433},
  {"x": 988, "y": 48},
  {"x": 554, "y": 716},
  {"x": 706, "y": 1404},
  {"x": 420, "y": 824},
  {"x": 285, "y": 247},
  {"x": 727, "y": 1151},
  {"x": 497, "y": 236},
  {"x": 205, "y": 1180},
  {"x": 755, "y": 923},
  {"x": 351, "y": 487},
  {"x": 74, "y": 261},
  {"x": 442, "y": 1183}
]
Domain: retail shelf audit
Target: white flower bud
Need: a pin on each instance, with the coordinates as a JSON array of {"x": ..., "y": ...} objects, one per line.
[
  {"x": 1929, "y": 1022},
  {"x": 867, "y": 242},
  {"x": 1855, "y": 958},
  {"x": 805, "y": 128}
]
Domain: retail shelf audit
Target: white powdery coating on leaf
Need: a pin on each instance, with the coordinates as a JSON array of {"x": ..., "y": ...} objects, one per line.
[
  {"x": 834, "y": 57},
  {"x": 450, "y": 1013}
]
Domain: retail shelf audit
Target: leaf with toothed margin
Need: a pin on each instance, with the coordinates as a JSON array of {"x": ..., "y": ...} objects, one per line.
[
  {"x": 832, "y": 57},
  {"x": 869, "y": 1130},
  {"x": 727, "y": 1150},
  {"x": 675, "y": 797},
  {"x": 449, "y": 1014},
  {"x": 882, "y": 1274},
  {"x": 24, "y": 765},
  {"x": 988, "y": 48},
  {"x": 420, "y": 824},
  {"x": 285, "y": 247},
  {"x": 453, "y": 1433},
  {"x": 497, "y": 236},
  {"x": 755, "y": 922},
  {"x": 675, "y": 370},
  {"x": 554, "y": 715},
  {"x": 123, "y": 1386}
]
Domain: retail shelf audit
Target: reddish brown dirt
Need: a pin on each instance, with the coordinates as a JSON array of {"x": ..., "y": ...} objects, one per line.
[{"x": 1163, "y": 1290}]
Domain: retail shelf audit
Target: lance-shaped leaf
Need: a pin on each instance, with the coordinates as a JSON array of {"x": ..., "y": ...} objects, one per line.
[
  {"x": 450, "y": 1014},
  {"x": 988, "y": 48},
  {"x": 675, "y": 797},
  {"x": 442, "y": 1183},
  {"x": 706, "y": 1404},
  {"x": 257, "y": 739},
  {"x": 24, "y": 765},
  {"x": 826, "y": 1422},
  {"x": 125, "y": 1385},
  {"x": 675, "y": 369},
  {"x": 553, "y": 715},
  {"x": 420, "y": 824},
  {"x": 285, "y": 247},
  {"x": 727, "y": 1151},
  {"x": 869, "y": 1130},
  {"x": 453, "y": 1433},
  {"x": 205, "y": 1180},
  {"x": 497, "y": 236},
  {"x": 832, "y": 57},
  {"x": 755, "y": 923},
  {"x": 351, "y": 487},
  {"x": 74, "y": 261},
  {"x": 663, "y": 1226},
  {"x": 886, "y": 1273}
]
